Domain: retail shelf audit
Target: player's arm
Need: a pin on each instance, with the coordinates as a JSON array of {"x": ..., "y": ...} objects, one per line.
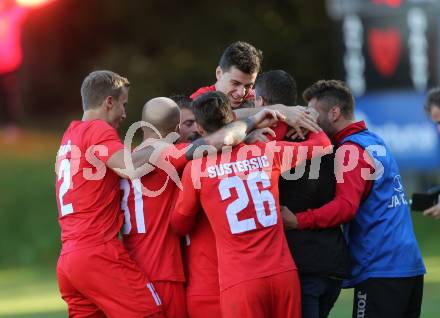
[
  {"x": 342, "y": 209},
  {"x": 135, "y": 164},
  {"x": 235, "y": 132},
  {"x": 433, "y": 211},
  {"x": 299, "y": 118},
  {"x": 290, "y": 154},
  {"x": 184, "y": 214}
]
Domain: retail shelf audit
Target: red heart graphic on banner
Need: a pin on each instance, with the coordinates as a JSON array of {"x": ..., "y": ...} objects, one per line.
[{"x": 384, "y": 48}]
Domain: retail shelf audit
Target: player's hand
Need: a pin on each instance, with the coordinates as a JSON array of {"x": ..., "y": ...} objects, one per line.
[
  {"x": 267, "y": 118},
  {"x": 292, "y": 134},
  {"x": 259, "y": 135},
  {"x": 433, "y": 212},
  {"x": 302, "y": 119},
  {"x": 289, "y": 219}
]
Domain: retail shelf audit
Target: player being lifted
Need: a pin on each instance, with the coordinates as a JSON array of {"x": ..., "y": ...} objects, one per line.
[{"x": 236, "y": 72}]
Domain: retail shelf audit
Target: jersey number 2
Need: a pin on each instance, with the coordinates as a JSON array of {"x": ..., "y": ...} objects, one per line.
[
  {"x": 242, "y": 201},
  {"x": 64, "y": 173}
]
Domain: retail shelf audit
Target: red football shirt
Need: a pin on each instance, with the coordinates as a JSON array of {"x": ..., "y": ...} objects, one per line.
[
  {"x": 147, "y": 235},
  {"x": 238, "y": 191},
  {"x": 203, "y": 90},
  {"x": 88, "y": 195},
  {"x": 200, "y": 260}
]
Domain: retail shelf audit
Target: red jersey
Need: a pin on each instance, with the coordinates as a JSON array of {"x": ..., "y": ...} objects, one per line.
[
  {"x": 200, "y": 258},
  {"x": 203, "y": 90},
  {"x": 147, "y": 235},
  {"x": 87, "y": 192},
  {"x": 348, "y": 195},
  {"x": 238, "y": 191}
]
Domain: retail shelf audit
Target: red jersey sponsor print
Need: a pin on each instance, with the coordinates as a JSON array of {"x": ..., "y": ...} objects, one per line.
[
  {"x": 239, "y": 194},
  {"x": 87, "y": 193},
  {"x": 147, "y": 204}
]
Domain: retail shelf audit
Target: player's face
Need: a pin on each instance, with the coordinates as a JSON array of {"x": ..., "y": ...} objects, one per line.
[
  {"x": 435, "y": 115},
  {"x": 117, "y": 113},
  {"x": 324, "y": 116},
  {"x": 235, "y": 84},
  {"x": 187, "y": 126}
]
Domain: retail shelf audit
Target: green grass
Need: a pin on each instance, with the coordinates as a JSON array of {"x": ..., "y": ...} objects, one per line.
[{"x": 33, "y": 292}]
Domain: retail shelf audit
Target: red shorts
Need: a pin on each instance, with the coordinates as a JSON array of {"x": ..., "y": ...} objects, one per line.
[
  {"x": 276, "y": 296},
  {"x": 173, "y": 297},
  {"x": 203, "y": 306},
  {"x": 103, "y": 281}
]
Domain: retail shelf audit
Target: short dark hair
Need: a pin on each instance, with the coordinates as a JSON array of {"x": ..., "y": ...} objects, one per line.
[
  {"x": 276, "y": 87},
  {"x": 433, "y": 99},
  {"x": 98, "y": 85},
  {"x": 183, "y": 101},
  {"x": 243, "y": 56},
  {"x": 212, "y": 111},
  {"x": 332, "y": 92}
]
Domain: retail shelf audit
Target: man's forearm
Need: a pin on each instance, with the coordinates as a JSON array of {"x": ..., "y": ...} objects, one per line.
[
  {"x": 231, "y": 134},
  {"x": 243, "y": 113}
]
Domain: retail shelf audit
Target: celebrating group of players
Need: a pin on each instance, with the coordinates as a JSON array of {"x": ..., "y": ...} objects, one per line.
[{"x": 203, "y": 231}]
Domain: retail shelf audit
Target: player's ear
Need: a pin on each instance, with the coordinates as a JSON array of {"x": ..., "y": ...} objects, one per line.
[
  {"x": 259, "y": 101},
  {"x": 218, "y": 73},
  {"x": 335, "y": 113},
  {"x": 200, "y": 130},
  {"x": 108, "y": 102}
]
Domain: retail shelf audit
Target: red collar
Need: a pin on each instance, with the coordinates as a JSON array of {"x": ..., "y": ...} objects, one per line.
[{"x": 349, "y": 130}]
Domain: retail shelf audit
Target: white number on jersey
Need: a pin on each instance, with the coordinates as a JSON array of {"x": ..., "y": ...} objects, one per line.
[
  {"x": 138, "y": 206},
  {"x": 64, "y": 173},
  {"x": 242, "y": 201}
]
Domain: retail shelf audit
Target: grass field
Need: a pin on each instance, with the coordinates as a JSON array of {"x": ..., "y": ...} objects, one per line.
[
  {"x": 30, "y": 243},
  {"x": 32, "y": 293}
]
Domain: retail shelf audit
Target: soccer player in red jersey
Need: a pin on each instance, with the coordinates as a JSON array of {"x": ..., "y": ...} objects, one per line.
[
  {"x": 236, "y": 73},
  {"x": 147, "y": 203},
  {"x": 96, "y": 276},
  {"x": 238, "y": 191},
  {"x": 200, "y": 254}
]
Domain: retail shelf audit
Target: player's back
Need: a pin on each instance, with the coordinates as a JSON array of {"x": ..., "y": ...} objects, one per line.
[
  {"x": 147, "y": 204},
  {"x": 201, "y": 261},
  {"x": 240, "y": 198},
  {"x": 87, "y": 193}
]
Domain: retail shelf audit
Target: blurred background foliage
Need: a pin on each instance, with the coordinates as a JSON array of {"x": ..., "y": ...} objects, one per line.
[{"x": 163, "y": 47}]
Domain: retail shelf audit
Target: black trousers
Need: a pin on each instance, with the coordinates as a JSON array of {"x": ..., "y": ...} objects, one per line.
[{"x": 388, "y": 298}]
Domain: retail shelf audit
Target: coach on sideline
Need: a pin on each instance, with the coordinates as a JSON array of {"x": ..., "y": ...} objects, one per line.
[{"x": 387, "y": 267}]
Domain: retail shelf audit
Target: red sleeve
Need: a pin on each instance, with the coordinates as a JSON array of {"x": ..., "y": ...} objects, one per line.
[
  {"x": 187, "y": 206},
  {"x": 280, "y": 132},
  {"x": 175, "y": 154},
  {"x": 201, "y": 91},
  {"x": 349, "y": 194},
  {"x": 290, "y": 154},
  {"x": 105, "y": 140}
]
